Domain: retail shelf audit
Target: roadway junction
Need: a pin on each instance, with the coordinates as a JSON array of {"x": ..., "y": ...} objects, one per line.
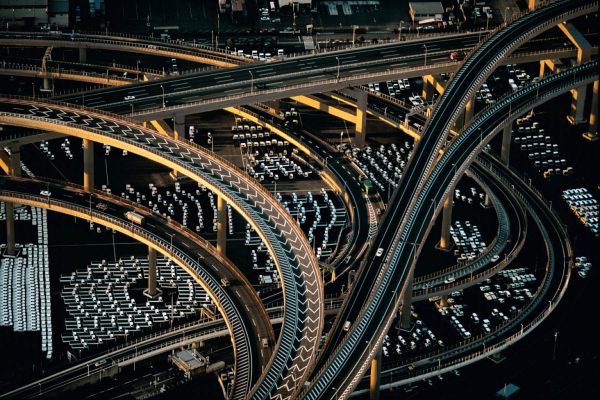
[{"x": 379, "y": 255}]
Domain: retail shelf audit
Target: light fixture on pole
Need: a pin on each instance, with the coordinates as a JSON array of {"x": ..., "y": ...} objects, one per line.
[{"x": 163, "y": 96}]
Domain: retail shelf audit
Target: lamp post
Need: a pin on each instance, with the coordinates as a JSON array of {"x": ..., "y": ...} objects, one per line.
[
  {"x": 138, "y": 70},
  {"x": 338, "y": 68},
  {"x": 425, "y": 46},
  {"x": 400, "y": 31},
  {"x": 251, "y": 81},
  {"x": 171, "y": 235},
  {"x": 341, "y": 139},
  {"x": 33, "y": 89},
  {"x": 163, "y": 96}
]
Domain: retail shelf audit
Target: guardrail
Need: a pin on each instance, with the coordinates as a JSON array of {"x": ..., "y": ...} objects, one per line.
[
  {"x": 58, "y": 72},
  {"x": 342, "y": 81},
  {"x": 69, "y": 40},
  {"x": 522, "y": 312},
  {"x": 501, "y": 236},
  {"x": 220, "y": 296}
]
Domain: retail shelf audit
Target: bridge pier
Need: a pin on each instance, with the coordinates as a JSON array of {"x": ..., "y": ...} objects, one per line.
[
  {"x": 427, "y": 93},
  {"x": 82, "y": 55},
  {"x": 178, "y": 126},
  {"x": 375, "y": 375},
  {"x": 576, "y": 116},
  {"x": 361, "y": 118},
  {"x": 592, "y": 133},
  {"x": 487, "y": 202},
  {"x": 554, "y": 65},
  {"x": 584, "y": 53},
  {"x": 443, "y": 301},
  {"x": 469, "y": 111},
  {"x": 431, "y": 85},
  {"x": 88, "y": 165},
  {"x": 10, "y": 228},
  {"x": 221, "y": 226},
  {"x": 506, "y": 138},
  {"x": 152, "y": 290},
  {"x": 14, "y": 169},
  {"x": 533, "y": 4},
  {"x": 445, "y": 243},
  {"x": 405, "y": 308}
]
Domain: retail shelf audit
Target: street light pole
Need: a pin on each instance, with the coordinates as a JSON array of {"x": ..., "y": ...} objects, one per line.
[
  {"x": 341, "y": 139},
  {"x": 338, "y": 68},
  {"x": 138, "y": 70},
  {"x": 425, "y": 46},
  {"x": 163, "y": 96},
  {"x": 251, "y": 81}
]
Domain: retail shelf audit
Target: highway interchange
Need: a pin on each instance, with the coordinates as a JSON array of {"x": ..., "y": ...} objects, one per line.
[{"x": 380, "y": 283}]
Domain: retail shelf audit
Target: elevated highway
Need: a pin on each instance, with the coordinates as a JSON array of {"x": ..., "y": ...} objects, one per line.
[
  {"x": 559, "y": 261},
  {"x": 462, "y": 87},
  {"x": 406, "y": 241},
  {"x": 242, "y": 310},
  {"x": 200, "y": 92},
  {"x": 297, "y": 265},
  {"x": 338, "y": 173},
  {"x": 124, "y": 43}
]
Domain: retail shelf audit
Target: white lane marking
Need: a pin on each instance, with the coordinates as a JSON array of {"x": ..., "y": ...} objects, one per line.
[{"x": 224, "y": 80}]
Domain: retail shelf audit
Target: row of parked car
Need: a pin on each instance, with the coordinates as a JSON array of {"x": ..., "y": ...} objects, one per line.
[{"x": 584, "y": 206}]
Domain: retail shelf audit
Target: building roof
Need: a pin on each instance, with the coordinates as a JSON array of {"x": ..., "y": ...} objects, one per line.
[{"x": 426, "y": 7}]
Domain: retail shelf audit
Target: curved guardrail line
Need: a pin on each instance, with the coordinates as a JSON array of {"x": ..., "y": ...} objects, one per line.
[
  {"x": 160, "y": 48},
  {"x": 231, "y": 312},
  {"x": 424, "y": 157},
  {"x": 297, "y": 264},
  {"x": 549, "y": 87}
]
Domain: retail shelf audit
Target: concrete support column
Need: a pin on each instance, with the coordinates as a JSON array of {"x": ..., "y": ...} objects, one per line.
[
  {"x": 221, "y": 225},
  {"x": 554, "y": 65},
  {"x": 177, "y": 133},
  {"x": 152, "y": 290},
  {"x": 88, "y": 165},
  {"x": 405, "y": 309},
  {"x": 444, "y": 301},
  {"x": 469, "y": 111},
  {"x": 15, "y": 161},
  {"x": 533, "y": 4},
  {"x": 592, "y": 133},
  {"x": 14, "y": 169},
  {"x": 10, "y": 228},
  {"x": 82, "y": 55},
  {"x": 577, "y": 105},
  {"x": 361, "y": 118},
  {"x": 178, "y": 126},
  {"x": 428, "y": 88},
  {"x": 46, "y": 85},
  {"x": 375, "y": 375},
  {"x": 445, "y": 239},
  {"x": 487, "y": 203},
  {"x": 506, "y": 138},
  {"x": 584, "y": 53}
]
